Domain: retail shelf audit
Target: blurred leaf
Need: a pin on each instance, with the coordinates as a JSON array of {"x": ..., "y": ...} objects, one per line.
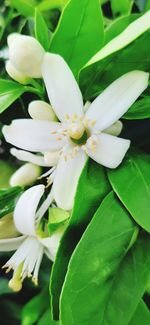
[
  {"x": 10, "y": 312},
  {"x": 92, "y": 188},
  {"x": 8, "y": 199},
  {"x": 131, "y": 183},
  {"x": 46, "y": 319},
  {"x": 95, "y": 78},
  {"x": 139, "y": 110},
  {"x": 94, "y": 264},
  {"x": 35, "y": 307},
  {"x": 4, "y": 287},
  {"x": 6, "y": 170},
  {"x": 141, "y": 315},
  {"x": 141, "y": 4},
  {"x": 9, "y": 92},
  {"x": 121, "y": 7},
  {"x": 79, "y": 36},
  {"x": 24, "y": 7},
  {"x": 129, "y": 284},
  {"x": 41, "y": 31}
]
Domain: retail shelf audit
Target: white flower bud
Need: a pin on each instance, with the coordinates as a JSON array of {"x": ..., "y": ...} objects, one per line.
[
  {"x": 26, "y": 54},
  {"x": 25, "y": 175},
  {"x": 15, "y": 74},
  {"x": 40, "y": 110}
]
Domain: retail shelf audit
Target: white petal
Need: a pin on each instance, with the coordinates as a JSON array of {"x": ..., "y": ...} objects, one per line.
[
  {"x": 33, "y": 135},
  {"x": 30, "y": 157},
  {"x": 25, "y": 210},
  {"x": 10, "y": 244},
  {"x": 62, "y": 88},
  {"x": 51, "y": 243},
  {"x": 116, "y": 99},
  {"x": 45, "y": 205},
  {"x": 66, "y": 178},
  {"x": 109, "y": 151}
]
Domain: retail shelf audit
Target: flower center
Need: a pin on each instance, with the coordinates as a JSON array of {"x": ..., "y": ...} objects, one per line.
[{"x": 76, "y": 130}]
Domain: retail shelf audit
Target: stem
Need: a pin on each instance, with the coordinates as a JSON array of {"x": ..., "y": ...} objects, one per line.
[{"x": 34, "y": 91}]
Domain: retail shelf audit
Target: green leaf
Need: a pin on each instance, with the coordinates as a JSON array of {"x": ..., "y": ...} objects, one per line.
[
  {"x": 9, "y": 92},
  {"x": 121, "y": 7},
  {"x": 79, "y": 36},
  {"x": 46, "y": 319},
  {"x": 41, "y": 31},
  {"x": 6, "y": 170},
  {"x": 8, "y": 199},
  {"x": 131, "y": 183},
  {"x": 113, "y": 61},
  {"x": 53, "y": 4},
  {"x": 129, "y": 284},
  {"x": 34, "y": 309},
  {"x": 24, "y": 7},
  {"x": 92, "y": 188},
  {"x": 94, "y": 264},
  {"x": 118, "y": 26},
  {"x": 4, "y": 287},
  {"x": 94, "y": 79},
  {"x": 139, "y": 110},
  {"x": 141, "y": 4},
  {"x": 141, "y": 315}
]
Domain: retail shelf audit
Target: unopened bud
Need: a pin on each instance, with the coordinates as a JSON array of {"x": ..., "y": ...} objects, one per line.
[
  {"x": 26, "y": 54},
  {"x": 7, "y": 227},
  {"x": 115, "y": 129},
  {"x": 15, "y": 74},
  {"x": 25, "y": 175},
  {"x": 40, "y": 110}
]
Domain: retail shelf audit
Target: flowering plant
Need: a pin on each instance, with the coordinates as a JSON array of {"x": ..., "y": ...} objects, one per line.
[{"x": 75, "y": 184}]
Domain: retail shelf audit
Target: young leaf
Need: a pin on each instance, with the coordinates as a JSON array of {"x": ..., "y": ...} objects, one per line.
[
  {"x": 8, "y": 199},
  {"x": 139, "y": 110},
  {"x": 121, "y": 7},
  {"x": 129, "y": 284},
  {"x": 141, "y": 315},
  {"x": 9, "y": 92},
  {"x": 92, "y": 188},
  {"x": 131, "y": 183},
  {"x": 41, "y": 31},
  {"x": 94, "y": 264},
  {"x": 79, "y": 36}
]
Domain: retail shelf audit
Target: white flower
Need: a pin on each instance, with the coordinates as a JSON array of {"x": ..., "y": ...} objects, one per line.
[
  {"x": 81, "y": 132},
  {"x": 29, "y": 247},
  {"x": 26, "y": 56},
  {"x": 25, "y": 175}
]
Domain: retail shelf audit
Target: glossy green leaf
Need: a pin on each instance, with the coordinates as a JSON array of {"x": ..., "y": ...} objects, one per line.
[
  {"x": 94, "y": 264},
  {"x": 131, "y": 183},
  {"x": 8, "y": 198},
  {"x": 41, "y": 31},
  {"x": 9, "y": 92},
  {"x": 118, "y": 26},
  {"x": 139, "y": 110},
  {"x": 24, "y": 7},
  {"x": 33, "y": 310},
  {"x": 141, "y": 315},
  {"x": 46, "y": 319},
  {"x": 94, "y": 79},
  {"x": 52, "y": 4},
  {"x": 121, "y": 7},
  {"x": 92, "y": 188},
  {"x": 129, "y": 284},
  {"x": 6, "y": 170},
  {"x": 79, "y": 34}
]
